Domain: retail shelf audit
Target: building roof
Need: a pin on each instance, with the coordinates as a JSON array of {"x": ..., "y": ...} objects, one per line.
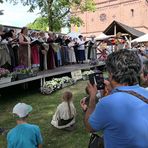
[{"x": 123, "y": 29}]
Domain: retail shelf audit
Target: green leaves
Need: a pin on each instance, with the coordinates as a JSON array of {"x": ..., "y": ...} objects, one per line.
[
  {"x": 88, "y": 6},
  {"x": 40, "y": 23},
  {"x": 77, "y": 21},
  {"x": 57, "y": 12}
]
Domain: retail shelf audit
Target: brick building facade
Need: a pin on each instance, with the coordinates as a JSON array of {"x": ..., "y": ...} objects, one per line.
[{"x": 133, "y": 13}]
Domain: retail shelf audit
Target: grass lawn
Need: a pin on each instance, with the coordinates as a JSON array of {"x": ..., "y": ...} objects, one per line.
[{"x": 43, "y": 109}]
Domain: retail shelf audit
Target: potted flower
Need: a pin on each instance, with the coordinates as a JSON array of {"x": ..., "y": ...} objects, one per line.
[
  {"x": 47, "y": 88},
  {"x": 85, "y": 74},
  {"x": 65, "y": 81},
  {"x": 56, "y": 84},
  {"x": 23, "y": 72},
  {"x": 5, "y": 76}
]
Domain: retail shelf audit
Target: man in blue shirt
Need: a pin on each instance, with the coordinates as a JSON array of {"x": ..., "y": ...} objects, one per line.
[
  {"x": 122, "y": 117},
  {"x": 24, "y": 135}
]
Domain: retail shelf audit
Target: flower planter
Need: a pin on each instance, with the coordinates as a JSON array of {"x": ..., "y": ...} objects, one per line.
[
  {"x": 64, "y": 85},
  {"x": 85, "y": 77},
  {"x": 5, "y": 80},
  {"x": 32, "y": 74},
  {"x": 46, "y": 90},
  {"x": 85, "y": 74},
  {"x": 22, "y": 76},
  {"x": 56, "y": 84}
]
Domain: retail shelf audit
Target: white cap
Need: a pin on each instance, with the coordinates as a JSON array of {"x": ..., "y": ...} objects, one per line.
[{"x": 22, "y": 109}]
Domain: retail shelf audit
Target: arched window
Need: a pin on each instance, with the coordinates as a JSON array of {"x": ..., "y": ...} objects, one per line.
[{"x": 132, "y": 11}]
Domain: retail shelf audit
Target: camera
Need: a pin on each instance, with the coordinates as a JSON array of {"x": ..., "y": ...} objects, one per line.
[{"x": 97, "y": 79}]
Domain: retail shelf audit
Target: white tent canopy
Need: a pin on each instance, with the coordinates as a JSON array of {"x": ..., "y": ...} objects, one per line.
[
  {"x": 101, "y": 37},
  {"x": 143, "y": 38},
  {"x": 73, "y": 34}
]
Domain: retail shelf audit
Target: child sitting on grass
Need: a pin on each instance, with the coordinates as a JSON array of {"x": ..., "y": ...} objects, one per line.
[{"x": 64, "y": 117}]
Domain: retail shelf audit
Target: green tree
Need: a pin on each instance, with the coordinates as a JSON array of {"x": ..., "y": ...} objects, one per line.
[
  {"x": 58, "y": 12},
  {"x": 41, "y": 23}
]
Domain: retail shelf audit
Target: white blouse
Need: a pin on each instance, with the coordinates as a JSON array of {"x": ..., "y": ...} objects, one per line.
[{"x": 62, "y": 112}]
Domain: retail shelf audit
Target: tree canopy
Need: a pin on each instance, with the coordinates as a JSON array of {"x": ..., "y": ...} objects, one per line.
[
  {"x": 58, "y": 12},
  {"x": 41, "y": 23}
]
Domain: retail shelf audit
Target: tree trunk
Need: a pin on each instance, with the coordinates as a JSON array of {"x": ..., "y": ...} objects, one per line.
[
  {"x": 50, "y": 19},
  {"x": 50, "y": 22}
]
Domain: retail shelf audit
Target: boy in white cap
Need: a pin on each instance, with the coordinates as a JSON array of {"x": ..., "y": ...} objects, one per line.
[{"x": 24, "y": 135}]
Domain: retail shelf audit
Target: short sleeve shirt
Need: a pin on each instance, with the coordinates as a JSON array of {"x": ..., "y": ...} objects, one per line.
[
  {"x": 24, "y": 136},
  {"x": 81, "y": 45},
  {"x": 123, "y": 118}
]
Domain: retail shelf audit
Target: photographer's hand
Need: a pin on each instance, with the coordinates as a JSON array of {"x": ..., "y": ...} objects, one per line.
[
  {"x": 83, "y": 104},
  {"x": 108, "y": 88},
  {"x": 92, "y": 89}
]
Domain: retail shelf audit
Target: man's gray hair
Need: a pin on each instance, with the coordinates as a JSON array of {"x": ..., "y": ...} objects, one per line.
[{"x": 125, "y": 66}]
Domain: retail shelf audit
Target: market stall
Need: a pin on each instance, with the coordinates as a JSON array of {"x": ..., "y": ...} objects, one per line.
[{"x": 143, "y": 38}]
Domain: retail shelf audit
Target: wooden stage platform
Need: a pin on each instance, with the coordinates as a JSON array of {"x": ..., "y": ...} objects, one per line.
[{"x": 42, "y": 75}]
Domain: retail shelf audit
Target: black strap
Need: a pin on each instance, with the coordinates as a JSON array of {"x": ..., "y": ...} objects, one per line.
[
  {"x": 134, "y": 94},
  {"x": 63, "y": 122}
]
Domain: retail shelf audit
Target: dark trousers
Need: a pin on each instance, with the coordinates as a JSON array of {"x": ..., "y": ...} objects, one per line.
[{"x": 15, "y": 51}]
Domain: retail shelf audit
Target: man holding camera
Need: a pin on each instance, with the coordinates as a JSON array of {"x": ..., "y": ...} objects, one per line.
[{"x": 123, "y": 114}]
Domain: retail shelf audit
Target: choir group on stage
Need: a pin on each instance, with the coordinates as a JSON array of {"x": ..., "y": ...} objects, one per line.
[{"x": 42, "y": 50}]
